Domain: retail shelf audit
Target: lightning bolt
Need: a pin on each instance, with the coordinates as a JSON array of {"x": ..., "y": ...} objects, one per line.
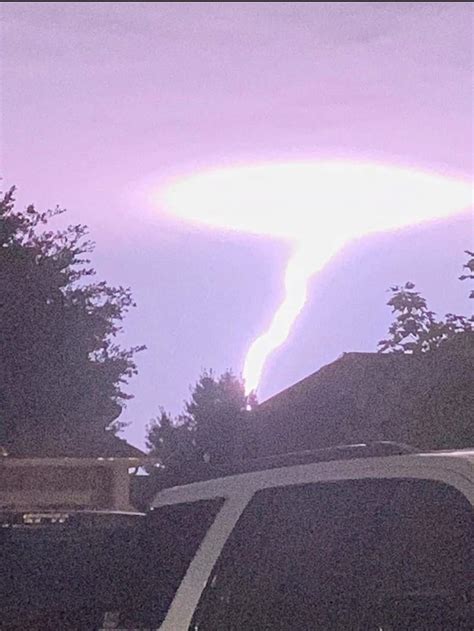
[
  {"x": 304, "y": 263},
  {"x": 319, "y": 207}
]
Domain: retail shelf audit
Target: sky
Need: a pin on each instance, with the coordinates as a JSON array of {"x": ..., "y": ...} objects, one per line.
[{"x": 100, "y": 102}]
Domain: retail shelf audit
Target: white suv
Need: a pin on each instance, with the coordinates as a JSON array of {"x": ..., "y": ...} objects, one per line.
[
  {"x": 358, "y": 538},
  {"x": 374, "y": 536}
]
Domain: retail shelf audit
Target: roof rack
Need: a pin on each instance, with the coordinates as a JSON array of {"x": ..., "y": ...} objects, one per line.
[
  {"x": 328, "y": 454},
  {"x": 338, "y": 452}
]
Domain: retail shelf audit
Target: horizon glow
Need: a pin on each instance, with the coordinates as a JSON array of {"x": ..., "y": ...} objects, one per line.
[{"x": 319, "y": 206}]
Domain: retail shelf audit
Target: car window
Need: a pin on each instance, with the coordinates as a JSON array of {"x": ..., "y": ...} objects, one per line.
[
  {"x": 363, "y": 554},
  {"x": 171, "y": 537}
]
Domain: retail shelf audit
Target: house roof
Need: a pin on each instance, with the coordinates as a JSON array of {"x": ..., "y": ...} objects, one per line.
[
  {"x": 103, "y": 444},
  {"x": 425, "y": 400}
]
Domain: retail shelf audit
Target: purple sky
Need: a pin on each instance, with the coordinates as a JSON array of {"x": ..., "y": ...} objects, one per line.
[{"x": 99, "y": 99}]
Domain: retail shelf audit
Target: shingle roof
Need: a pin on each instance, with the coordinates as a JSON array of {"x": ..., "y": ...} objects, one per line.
[
  {"x": 100, "y": 444},
  {"x": 425, "y": 400}
]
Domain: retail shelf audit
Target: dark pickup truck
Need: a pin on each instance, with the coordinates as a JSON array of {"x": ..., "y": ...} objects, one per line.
[{"x": 80, "y": 570}]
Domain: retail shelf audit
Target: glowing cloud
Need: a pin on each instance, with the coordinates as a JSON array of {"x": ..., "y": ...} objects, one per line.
[{"x": 319, "y": 206}]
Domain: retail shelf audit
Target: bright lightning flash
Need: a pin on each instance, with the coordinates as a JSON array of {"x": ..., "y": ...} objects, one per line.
[{"x": 319, "y": 206}]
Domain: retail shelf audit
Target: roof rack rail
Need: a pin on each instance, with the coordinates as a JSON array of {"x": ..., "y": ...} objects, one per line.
[
  {"x": 327, "y": 454},
  {"x": 336, "y": 452}
]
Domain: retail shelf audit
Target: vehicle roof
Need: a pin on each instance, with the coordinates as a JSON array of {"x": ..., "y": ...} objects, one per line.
[{"x": 255, "y": 477}]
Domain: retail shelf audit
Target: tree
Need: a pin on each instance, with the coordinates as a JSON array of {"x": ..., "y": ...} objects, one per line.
[
  {"x": 61, "y": 371},
  {"x": 417, "y": 330},
  {"x": 412, "y": 330},
  {"x": 212, "y": 426},
  {"x": 470, "y": 267},
  {"x": 172, "y": 441},
  {"x": 218, "y": 410}
]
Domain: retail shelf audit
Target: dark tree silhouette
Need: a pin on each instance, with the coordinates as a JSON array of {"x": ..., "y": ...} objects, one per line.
[
  {"x": 172, "y": 441},
  {"x": 416, "y": 329},
  {"x": 61, "y": 371},
  {"x": 218, "y": 410},
  {"x": 212, "y": 426},
  {"x": 470, "y": 273}
]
